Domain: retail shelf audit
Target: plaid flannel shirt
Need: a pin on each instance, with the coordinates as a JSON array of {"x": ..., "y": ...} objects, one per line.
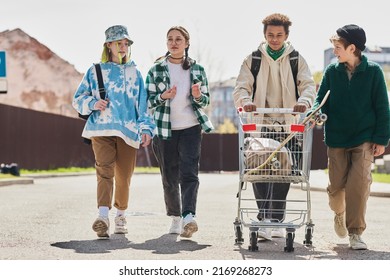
[{"x": 158, "y": 81}]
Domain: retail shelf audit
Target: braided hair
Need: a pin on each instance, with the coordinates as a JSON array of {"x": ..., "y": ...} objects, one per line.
[{"x": 186, "y": 61}]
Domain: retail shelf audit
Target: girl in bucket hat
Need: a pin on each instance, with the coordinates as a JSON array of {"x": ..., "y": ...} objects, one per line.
[
  {"x": 117, "y": 126},
  {"x": 114, "y": 34},
  {"x": 178, "y": 93},
  {"x": 356, "y": 131}
]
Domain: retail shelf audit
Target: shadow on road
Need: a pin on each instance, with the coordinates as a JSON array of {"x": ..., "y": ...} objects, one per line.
[
  {"x": 96, "y": 246},
  {"x": 345, "y": 253},
  {"x": 274, "y": 250},
  {"x": 165, "y": 244},
  {"x": 169, "y": 244}
]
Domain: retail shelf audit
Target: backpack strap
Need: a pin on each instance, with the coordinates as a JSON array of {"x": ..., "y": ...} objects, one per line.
[
  {"x": 255, "y": 67},
  {"x": 102, "y": 90},
  {"x": 294, "y": 68}
]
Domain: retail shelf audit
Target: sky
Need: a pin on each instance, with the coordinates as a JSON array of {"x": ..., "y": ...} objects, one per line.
[{"x": 223, "y": 32}]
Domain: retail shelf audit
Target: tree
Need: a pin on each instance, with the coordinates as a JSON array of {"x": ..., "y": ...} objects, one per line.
[
  {"x": 317, "y": 77},
  {"x": 227, "y": 127}
]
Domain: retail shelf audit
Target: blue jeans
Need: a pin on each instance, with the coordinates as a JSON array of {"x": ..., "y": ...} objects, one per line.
[
  {"x": 273, "y": 200},
  {"x": 178, "y": 159}
]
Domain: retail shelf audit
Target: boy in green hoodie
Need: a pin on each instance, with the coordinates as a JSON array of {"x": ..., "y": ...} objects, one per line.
[{"x": 356, "y": 131}]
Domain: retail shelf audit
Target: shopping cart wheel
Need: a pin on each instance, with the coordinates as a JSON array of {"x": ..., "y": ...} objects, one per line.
[
  {"x": 238, "y": 230},
  {"x": 253, "y": 240},
  {"x": 308, "y": 236},
  {"x": 289, "y": 242}
]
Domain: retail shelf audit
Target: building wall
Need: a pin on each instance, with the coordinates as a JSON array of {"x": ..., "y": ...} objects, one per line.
[{"x": 222, "y": 106}]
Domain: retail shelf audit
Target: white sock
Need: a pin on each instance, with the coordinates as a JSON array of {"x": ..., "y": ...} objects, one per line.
[
  {"x": 120, "y": 212},
  {"x": 103, "y": 211}
]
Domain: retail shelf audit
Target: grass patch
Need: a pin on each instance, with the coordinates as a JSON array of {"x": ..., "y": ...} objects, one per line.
[
  {"x": 381, "y": 177},
  {"x": 58, "y": 170},
  {"x": 6, "y": 176},
  {"x": 376, "y": 177},
  {"x": 147, "y": 170},
  {"x": 80, "y": 169}
]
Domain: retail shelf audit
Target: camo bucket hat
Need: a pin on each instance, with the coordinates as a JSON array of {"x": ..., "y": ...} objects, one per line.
[{"x": 117, "y": 32}]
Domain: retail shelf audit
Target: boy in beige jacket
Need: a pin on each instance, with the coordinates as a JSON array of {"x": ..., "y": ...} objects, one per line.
[{"x": 275, "y": 88}]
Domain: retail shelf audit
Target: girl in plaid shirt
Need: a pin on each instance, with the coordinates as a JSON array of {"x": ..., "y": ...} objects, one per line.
[{"x": 178, "y": 92}]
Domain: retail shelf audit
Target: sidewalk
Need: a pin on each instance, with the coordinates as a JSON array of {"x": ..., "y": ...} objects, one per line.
[{"x": 318, "y": 182}]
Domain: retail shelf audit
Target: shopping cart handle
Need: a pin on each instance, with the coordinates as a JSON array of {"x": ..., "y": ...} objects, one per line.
[{"x": 275, "y": 110}]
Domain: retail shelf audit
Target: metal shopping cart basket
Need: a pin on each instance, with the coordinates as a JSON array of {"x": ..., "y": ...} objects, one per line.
[{"x": 273, "y": 148}]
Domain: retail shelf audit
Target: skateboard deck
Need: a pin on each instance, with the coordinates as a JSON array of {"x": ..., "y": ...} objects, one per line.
[{"x": 314, "y": 115}]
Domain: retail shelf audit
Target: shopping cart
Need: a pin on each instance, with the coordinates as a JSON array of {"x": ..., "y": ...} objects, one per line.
[{"x": 274, "y": 148}]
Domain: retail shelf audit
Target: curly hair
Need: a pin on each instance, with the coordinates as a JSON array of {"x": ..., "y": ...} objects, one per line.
[{"x": 277, "y": 20}]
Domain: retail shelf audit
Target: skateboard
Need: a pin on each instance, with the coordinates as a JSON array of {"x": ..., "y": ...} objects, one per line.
[{"x": 316, "y": 116}]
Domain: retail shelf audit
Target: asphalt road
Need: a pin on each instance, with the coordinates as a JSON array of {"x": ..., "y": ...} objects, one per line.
[{"x": 51, "y": 219}]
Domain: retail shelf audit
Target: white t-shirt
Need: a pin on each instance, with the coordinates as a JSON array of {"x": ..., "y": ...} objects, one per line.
[{"x": 182, "y": 115}]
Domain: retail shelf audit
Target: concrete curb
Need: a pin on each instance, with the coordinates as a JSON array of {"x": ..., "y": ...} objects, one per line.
[{"x": 7, "y": 182}]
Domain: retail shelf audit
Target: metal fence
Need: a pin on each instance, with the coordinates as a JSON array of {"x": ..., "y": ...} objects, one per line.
[{"x": 37, "y": 140}]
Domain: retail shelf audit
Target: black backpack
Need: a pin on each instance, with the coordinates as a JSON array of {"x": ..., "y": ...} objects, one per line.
[
  {"x": 255, "y": 67},
  {"x": 102, "y": 92}
]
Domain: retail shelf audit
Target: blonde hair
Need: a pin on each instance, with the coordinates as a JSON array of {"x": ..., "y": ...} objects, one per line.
[{"x": 107, "y": 56}]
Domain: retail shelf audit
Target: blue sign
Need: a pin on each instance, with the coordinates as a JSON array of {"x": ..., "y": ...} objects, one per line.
[{"x": 2, "y": 65}]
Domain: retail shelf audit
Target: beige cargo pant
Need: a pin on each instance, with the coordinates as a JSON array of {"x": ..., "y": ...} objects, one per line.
[
  {"x": 113, "y": 159},
  {"x": 349, "y": 183}
]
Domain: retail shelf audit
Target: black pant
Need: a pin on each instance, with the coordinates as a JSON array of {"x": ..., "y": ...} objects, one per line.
[
  {"x": 269, "y": 193},
  {"x": 178, "y": 159}
]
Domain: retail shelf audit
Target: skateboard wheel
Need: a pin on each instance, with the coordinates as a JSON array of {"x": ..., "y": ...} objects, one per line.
[{"x": 323, "y": 117}]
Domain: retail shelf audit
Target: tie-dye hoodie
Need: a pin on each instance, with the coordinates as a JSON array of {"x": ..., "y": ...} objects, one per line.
[{"x": 126, "y": 115}]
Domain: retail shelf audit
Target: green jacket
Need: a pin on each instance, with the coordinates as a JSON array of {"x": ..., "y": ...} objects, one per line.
[
  {"x": 357, "y": 109},
  {"x": 158, "y": 81}
]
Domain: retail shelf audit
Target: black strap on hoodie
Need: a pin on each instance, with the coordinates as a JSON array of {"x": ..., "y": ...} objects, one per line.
[
  {"x": 255, "y": 67},
  {"x": 102, "y": 92}
]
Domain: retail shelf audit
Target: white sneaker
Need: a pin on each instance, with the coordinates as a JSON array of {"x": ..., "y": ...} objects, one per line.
[
  {"x": 278, "y": 232},
  {"x": 102, "y": 227},
  {"x": 339, "y": 225},
  {"x": 176, "y": 225},
  {"x": 120, "y": 225},
  {"x": 264, "y": 233},
  {"x": 356, "y": 242},
  {"x": 189, "y": 226}
]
